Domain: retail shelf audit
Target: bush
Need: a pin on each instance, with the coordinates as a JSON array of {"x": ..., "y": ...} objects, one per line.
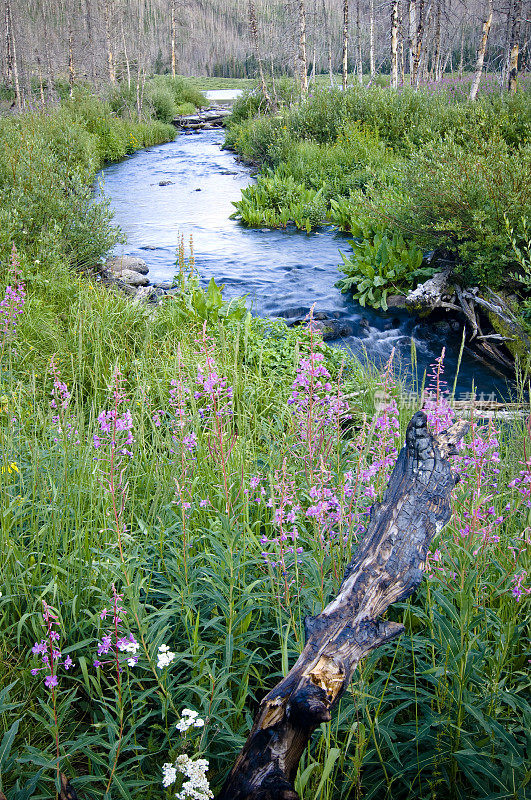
[
  {"x": 184, "y": 109},
  {"x": 380, "y": 265},
  {"x": 457, "y": 197},
  {"x": 161, "y": 100},
  {"x": 277, "y": 199}
]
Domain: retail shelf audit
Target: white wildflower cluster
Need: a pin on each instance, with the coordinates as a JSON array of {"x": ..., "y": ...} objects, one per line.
[
  {"x": 129, "y": 645},
  {"x": 196, "y": 787},
  {"x": 189, "y": 719},
  {"x": 164, "y": 656},
  {"x": 169, "y": 774}
]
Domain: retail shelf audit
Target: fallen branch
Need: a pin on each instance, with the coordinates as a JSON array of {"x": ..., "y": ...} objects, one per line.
[{"x": 387, "y": 567}]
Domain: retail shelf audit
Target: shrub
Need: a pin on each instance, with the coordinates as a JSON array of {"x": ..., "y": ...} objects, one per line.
[
  {"x": 184, "y": 108},
  {"x": 277, "y": 199},
  {"x": 161, "y": 100},
  {"x": 458, "y": 196},
  {"x": 380, "y": 265}
]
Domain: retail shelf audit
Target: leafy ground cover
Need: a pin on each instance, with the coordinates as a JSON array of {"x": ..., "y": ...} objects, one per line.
[
  {"x": 448, "y": 174},
  {"x": 179, "y": 488}
]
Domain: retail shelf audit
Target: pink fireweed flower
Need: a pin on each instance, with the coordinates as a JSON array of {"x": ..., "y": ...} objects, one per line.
[
  {"x": 48, "y": 649},
  {"x": 518, "y": 588},
  {"x": 12, "y": 305},
  {"x": 63, "y": 421},
  {"x": 115, "y": 641},
  {"x": 316, "y": 404}
]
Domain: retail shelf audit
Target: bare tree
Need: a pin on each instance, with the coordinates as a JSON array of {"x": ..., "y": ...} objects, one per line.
[
  {"x": 108, "y": 39},
  {"x": 358, "y": 43},
  {"x": 303, "y": 62},
  {"x": 481, "y": 50},
  {"x": 437, "y": 42},
  {"x": 412, "y": 34},
  {"x": 11, "y": 55},
  {"x": 515, "y": 45},
  {"x": 253, "y": 27},
  {"x": 394, "y": 44},
  {"x": 326, "y": 20},
  {"x": 372, "y": 57},
  {"x": 172, "y": 36},
  {"x": 71, "y": 68},
  {"x": 419, "y": 35},
  {"x": 344, "y": 59}
]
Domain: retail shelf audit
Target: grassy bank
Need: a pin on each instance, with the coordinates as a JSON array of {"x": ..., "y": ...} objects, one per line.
[
  {"x": 196, "y": 468},
  {"x": 444, "y": 173}
]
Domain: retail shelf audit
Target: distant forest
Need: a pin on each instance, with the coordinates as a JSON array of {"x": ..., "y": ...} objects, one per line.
[{"x": 107, "y": 40}]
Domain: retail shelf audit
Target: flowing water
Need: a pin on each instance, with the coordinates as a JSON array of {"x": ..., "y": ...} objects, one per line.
[{"x": 282, "y": 273}]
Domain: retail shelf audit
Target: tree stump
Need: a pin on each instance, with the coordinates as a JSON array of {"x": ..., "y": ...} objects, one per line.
[{"x": 387, "y": 567}]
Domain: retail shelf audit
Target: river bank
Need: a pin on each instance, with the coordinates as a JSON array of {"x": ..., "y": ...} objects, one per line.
[
  {"x": 406, "y": 173},
  {"x": 282, "y": 273}
]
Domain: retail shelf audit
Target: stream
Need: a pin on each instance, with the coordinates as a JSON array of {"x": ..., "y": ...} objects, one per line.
[{"x": 282, "y": 273}]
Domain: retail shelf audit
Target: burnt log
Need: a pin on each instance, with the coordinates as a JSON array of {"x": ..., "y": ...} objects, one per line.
[{"x": 387, "y": 567}]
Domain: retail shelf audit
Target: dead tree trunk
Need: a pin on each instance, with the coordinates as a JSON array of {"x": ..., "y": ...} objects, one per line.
[
  {"x": 438, "y": 35},
  {"x": 386, "y": 568},
  {"x": 253, "y": 27},
  {"x": 358, "y": 43},
  {"x": 303, "y": 62},
  {"x": 108, "y": 40},
  {"x": 418, "y": 45},
  {"x": 481, "y": 50},
  {"x": 412, "y": 34},
  {"x": 344, "y": 58},
  {"x": 11, "y": 54},
  {"x": 328, "y": 36},
  {"x": 394, "y": 44},
  {"x": 462, "y": 51},
  {"x": 124, "y": 45},
  {"x": 515, "y": 46},
  {"x": 172, "y": 33},
  {"x": 71, "y": 67},
  {"x": 372, "y": 57}
]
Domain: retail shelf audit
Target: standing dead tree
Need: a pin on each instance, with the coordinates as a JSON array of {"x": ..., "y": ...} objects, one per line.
[
  {"x": 253, "y": 28},
  {"x": 344, "y": 57},
  {"x": 303, "y": 62},
  {"x": 394, "y": 43},
  {"x": 515, "y": 44},
  {"x": 387, "y": 567},
  {"x": 489, "y": 11}
]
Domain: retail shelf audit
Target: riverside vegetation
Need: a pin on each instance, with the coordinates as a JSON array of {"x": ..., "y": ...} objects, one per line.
[
  {"x": 405, "y": 172},
  {"x": 181, "y": 486}
]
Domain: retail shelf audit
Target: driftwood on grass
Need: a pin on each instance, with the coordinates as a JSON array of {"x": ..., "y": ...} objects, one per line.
[{"x": 387, "y": 567}]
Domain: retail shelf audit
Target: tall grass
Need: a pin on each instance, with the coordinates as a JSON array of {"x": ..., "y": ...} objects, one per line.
[{"x": 229, "y": 517}]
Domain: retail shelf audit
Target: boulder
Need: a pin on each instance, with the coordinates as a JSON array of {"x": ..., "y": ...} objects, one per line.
[
  {"x": 146, "y": 294},
  {"x": 133, "y": 278},
  {"x": 332, "y": 328},
  {"x": 165, "y": 183},
  {"x": 132, "y": 263}
]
